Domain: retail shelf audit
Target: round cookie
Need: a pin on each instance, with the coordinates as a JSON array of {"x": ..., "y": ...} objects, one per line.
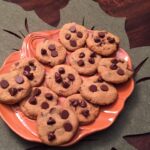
[
  {"x": 57, "y": 126},
  {"x": 85, "y": 111},
  {"x": 114, "y": 70},
  {"x": 50, "y": 53},
  {"x": 63, "y": 80},
  {"x": 32, "y": 69},
  {"x": 73, "y": 36},
  {"x": 84, "y": 61},
  {"x": 103, "y": 42},
  {"x": 97, "y": 91},
  {"x": 41, "y": 99},
  {"x": 13, "y": 87}
]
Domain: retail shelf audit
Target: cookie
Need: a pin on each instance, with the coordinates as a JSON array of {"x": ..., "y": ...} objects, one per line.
[
  {"x": 84, "y": 61},
  {"x": 57, "y": 126},
  {"x": 50, "y": 53},
  {"x": 97, "y": 91},
  {"x": 13, "y": 87},
  {"x": 73, "y": 36},
  {"x": 85, "y": 111},
  {"x": 41, "y": 99},
  {"x": 32, "y": 69},
  {"x": 63, "y": 80},
  {"x": 103, "y": 42},
  {"x": 114, "y": 70}
]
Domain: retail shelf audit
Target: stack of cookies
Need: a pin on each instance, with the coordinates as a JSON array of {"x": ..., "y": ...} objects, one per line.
[{"x": 82, "y": 71}]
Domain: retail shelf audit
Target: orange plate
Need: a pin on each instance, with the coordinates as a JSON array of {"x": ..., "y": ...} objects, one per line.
[{"x": 26, "y": 128}]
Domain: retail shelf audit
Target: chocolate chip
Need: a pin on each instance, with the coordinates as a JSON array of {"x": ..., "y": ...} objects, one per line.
[
  {"x": 68, "y": 127},
  {"x": 111, "y": 40},
  {"x": 64, "y": 114},
  {"x": 101, "y": 34},
  {"x": 79, "y": 34},
  {"x": 31, "y": 63},
  {"x": 71, "y": 77},
  {"x": 120, "y": 72},
  {"x": 81, "y": 55},
  {"x": 61, "y": 70},
  {"x": 4, "y": 84},
  {"x": 91, "y": 60},
  {"x": 93, "y": 54},
  {"x": 67, "y": 36},
  {"x": 54, "y": 53},
  {"x": 27, "y": 68},
  {"x": 100, "y": 79},
  {"x": 44, "y": 105},
  {"x": 51, "y": 121},
  {"x": 97, "y": 40},
  {"x": 52, "y": 47},
  {"x": 114, "y": 61},
  {"x": 113, "y": 66},
  {"x": 20, "y": 89},
  {"x": 65, "y": 84},
  {"x": 73, "y": 43},
  {"x": 85, "y": 113},
  {"x": 58, "y": 77},
  {"x": 13, "y": 91},
  {"x": 49, "y": 96},
  {"x": 104, "y": 87},
  {"x": 36, "y": 92},
  {"x": 83, "y": 104},
  {"x": 80, "y": 63},
  {"x": 19, "y": 79},
  {"x": 74, "y": 103},
  {"x": 72, "y": 29},
  {"x": 93, "y": 88},
  {"x": 30, "y": 76},
  {"x": 33, "y": 101},
  {"x": 51, "y": 136},
  {"x": 43, "y": 51}
]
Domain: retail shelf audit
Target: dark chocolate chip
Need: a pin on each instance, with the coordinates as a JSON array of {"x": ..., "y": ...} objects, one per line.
[
  {"x": 67, "y": 36},
  {"x": 19, "y": 79},
  {"x": 13, "y": 91},
  {"x": 68, "y": 127},
  {"x": 93, "y": 54},
  {"x": 91, "y": 60},
  {"x": 100, "y": 79},
  {"x": 64, "y": 114},
  {"x": 93, "y": 88},
  {"x": 51, "y": 121},
  {"x": 44, "y": 105},
  {"x": 43, "y": 51},
  {"x": 4, "y": 84},
  {"x": 81, "y": 55},
  {"x": 97, "y": 40},
  {"x": 30, "y": 76},
  {"x": 36, "y": 92},
  {"x": 52, "y": 47},
  {"x": 80, "y": 63},
  {"x": 65, "y": 84},
  {"x": 113, "y": 66},
  {"x": 27, "y": 68},
  {"x": 75, "y": 103},
  {"x": 31, "y": 63},
  {"x": 111, "y": 40},
  {"x": 20, "y": 89},
  {"x": 58, "y": 77},
  {"x": 101, "y": 34},
  {"x": 51, "y": 136},
  {"x": 61, "y": 70},
  {"x": 49, "y": 96},
  {"x": 114, "y": 61},
  {"x": 83, "y": 104},
  {"x": 120, "y": 72},
  {"x": 104, "y": 87},
  {"x": 72, "y": 29},
  {"x": 73, "y": 43},
  {"x": 54, "y": 53},
  {"x": 33, "y": 101},
  {"x": 71, "y": 77},
  {"x": 79, "y": 34},
  {"x": 85, "y": 113}
]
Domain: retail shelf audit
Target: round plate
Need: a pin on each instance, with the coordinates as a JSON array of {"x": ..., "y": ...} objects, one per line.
[{"x": 26, "y": 128}]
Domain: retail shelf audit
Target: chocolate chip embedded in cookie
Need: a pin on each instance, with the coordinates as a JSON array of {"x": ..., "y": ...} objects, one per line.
[
  {"x": 13, "y": 87},
  {"x": 57, "y": 126},
  {"x": 114, "y": 70},
  {"x": 84, "y": 61},
  {"x": 97, "y": 91},
  {"x": 41, "y": 99},
  {"x": 51, "y": 53},
  {"x": 63, "y": 80},
  {"x": 73, "y": 36},
  {"x": 85, "y": 111},
  {"x": 103, "y": 42}
]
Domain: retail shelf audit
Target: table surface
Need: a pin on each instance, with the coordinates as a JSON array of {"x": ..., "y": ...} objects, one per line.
[{"x": 135, "y": 117}]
